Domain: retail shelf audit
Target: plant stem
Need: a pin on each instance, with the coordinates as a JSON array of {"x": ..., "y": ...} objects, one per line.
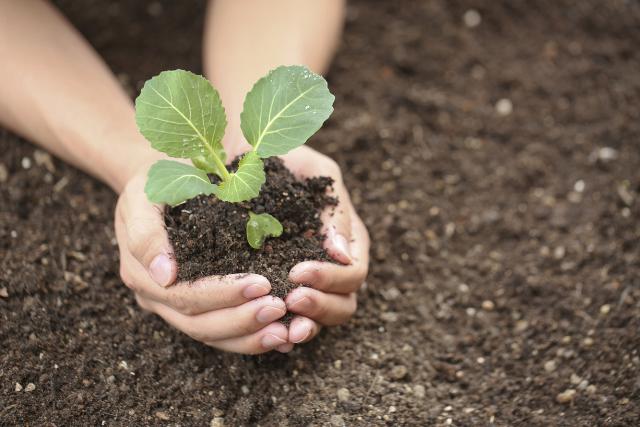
[{"x": 221, "y": 166}]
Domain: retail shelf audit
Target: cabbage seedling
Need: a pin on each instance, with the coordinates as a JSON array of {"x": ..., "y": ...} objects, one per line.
[{"x": 181, "y": 114}]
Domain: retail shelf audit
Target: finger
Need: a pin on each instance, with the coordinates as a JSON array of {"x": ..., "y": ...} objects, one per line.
[
  {"x": 337, "y": 224},
  {"x": 147, "y": 238},
  {"x": 336, "y": 278},
  {"x": 226, "y": 323},
  {"x": 200, "y": 296},
  {"x": 272, "y": 336},
  {"x": 305, "y": 162},
  {"x": 302, "y": 330},
  {"x": 285, "y": 348},
  {"x": 325, "y": 308}
]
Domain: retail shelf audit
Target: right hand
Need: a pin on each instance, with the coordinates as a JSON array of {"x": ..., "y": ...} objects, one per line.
[{"x": 232, "y": 313}]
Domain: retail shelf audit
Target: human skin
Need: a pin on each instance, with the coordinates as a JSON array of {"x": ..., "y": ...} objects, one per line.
[{"x": 90, "y": 123}]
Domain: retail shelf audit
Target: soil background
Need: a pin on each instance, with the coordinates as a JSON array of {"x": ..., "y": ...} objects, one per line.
[{"x": 505, "y": 255}]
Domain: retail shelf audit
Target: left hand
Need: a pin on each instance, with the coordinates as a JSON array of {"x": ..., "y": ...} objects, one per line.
[{"x": 328, "y": 295}]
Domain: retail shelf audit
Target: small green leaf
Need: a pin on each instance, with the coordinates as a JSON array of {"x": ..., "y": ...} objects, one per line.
[
  {"x": 284, "y": 108},
  {"x": 181, "y": 114},
  {"x": 245, "y": 183},
  {"x": 174, "y": 183},
  {"x": 261, "y": 226}
]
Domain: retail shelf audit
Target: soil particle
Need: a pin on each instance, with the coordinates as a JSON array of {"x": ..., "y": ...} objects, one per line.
[
  {"x": 161, "y": 415},
  {"x": 566, "y": 396},
  {"x": 399, "y": 372},
  {"x": 343, "y": 395}
]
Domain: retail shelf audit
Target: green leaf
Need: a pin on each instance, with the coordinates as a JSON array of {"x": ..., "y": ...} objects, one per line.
[
  {"x": 261, "y": 226},
  {"x": 181, "y": 114},
  {"x": 284, "y": 108},
  {"x": 245, "y": 183},
  {"x": 174, "y": 183}
]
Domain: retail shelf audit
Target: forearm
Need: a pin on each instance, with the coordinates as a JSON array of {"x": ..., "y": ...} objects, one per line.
[
  {"x": 56, "y": 91},
  {"x": 245, "y": 39}
]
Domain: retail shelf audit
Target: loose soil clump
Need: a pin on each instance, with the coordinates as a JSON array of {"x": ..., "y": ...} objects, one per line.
[{"x": 209, "y": 237}]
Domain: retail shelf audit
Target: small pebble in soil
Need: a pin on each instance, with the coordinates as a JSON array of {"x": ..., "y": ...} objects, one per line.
[
  {"x": 399, "y": 372},
  {"x": 583, "y": 385},
  {"x": 389, "y": 316},
  {"x": 419, "y": 391},
  {"x": 244, "y": 389},
  {"x": 343, "y": 395},
  {"x": 30, "y": 387},
  {"x": 504, "y": 107},
  {"x": 587, "y": 342},
  {"x": 575, "y": 379},
  {"x": 18, "y": 387},
  {"x": 472, "y": 18},
  {"x": 25, "y": 163},
  {"x": 591, "y": 389},
  {"x": 161, "y": 415},
  {"x": 566, "y": 396},
  {"x": 217, "y": 422},
  {"x": 521, "y": 326},
  {"x": 605, "y": 309},
  {"x": 337, "y": 421},
  {"x": 43, "y": 158},
  {"x": 488, "y": 305},
  {"x": 4, "y": 293},
  {"x": 579, "y": 186},
  {"x": 604, "y": 155},
  {"x": 550, "y": 366}
]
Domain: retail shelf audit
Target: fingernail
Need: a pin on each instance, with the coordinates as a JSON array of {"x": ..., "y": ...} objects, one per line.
[
  {"x": 299, "y": 304},
  {"x": 341, "y": 248},
  {"x": 269, "y": 314},
  {"x": 271, "y": 341},
  {"x": 299, "y": 333},
  {"x": 161, "y": 270},
  {"x": 255, "y": 290}
]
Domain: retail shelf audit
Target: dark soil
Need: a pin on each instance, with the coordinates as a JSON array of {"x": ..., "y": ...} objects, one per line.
[
  {"x": 505, "y": 247},
  {"x": 209, "y": 237}
]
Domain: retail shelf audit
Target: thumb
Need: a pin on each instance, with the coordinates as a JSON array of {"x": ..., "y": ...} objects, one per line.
[
  {"x": 337, "y": 226},
  {"x": 147, "y": 238}
]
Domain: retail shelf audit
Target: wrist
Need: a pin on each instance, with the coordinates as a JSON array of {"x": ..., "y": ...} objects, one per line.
[{"x": 129, "y": 154}]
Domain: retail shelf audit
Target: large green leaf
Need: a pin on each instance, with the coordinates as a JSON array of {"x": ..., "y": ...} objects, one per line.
[
  {"x": 261, "y": 226},
  {"x": 174, "y": 182},
  {"x": 284, "y": 108},
  {"x": 181, "y": 114},
  {"x": 245, "y": 183}
]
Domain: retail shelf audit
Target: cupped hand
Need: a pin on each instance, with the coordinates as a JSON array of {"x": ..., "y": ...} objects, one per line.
[
  {"x": 232, "y": 313},
  {"x": 327, "y": 296}
]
